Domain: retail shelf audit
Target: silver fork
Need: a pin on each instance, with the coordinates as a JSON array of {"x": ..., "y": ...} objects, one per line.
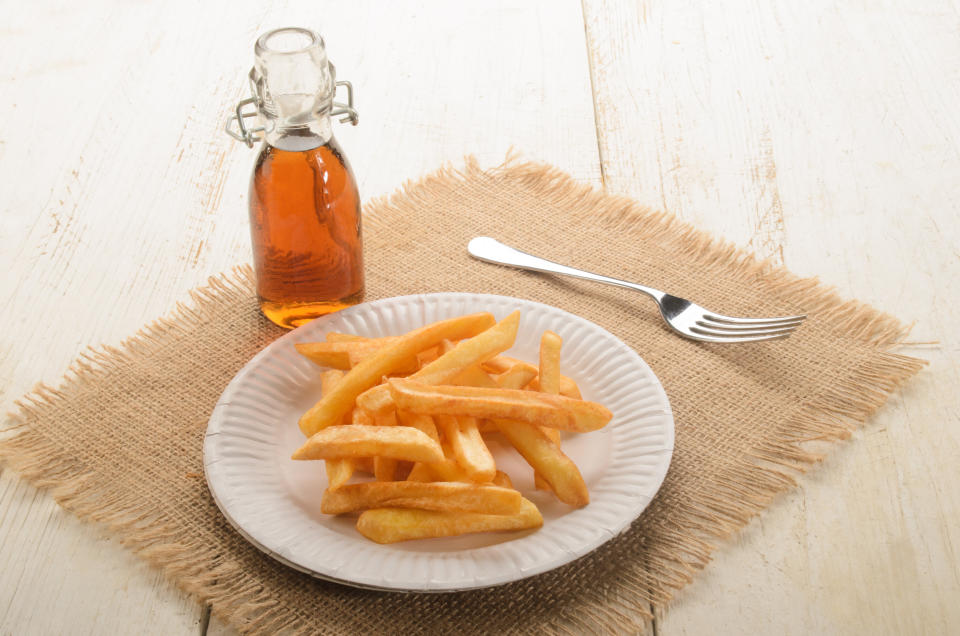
[{"x": 686, "y": 318}]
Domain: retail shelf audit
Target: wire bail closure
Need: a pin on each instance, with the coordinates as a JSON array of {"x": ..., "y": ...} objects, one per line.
[{"x": 250, "y": 136}]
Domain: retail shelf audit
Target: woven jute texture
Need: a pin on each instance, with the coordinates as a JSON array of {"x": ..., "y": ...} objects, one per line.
[{"x": 119, "y": 441}]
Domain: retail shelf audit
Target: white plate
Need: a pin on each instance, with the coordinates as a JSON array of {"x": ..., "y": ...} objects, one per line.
[{"x": 274, "y": 501}]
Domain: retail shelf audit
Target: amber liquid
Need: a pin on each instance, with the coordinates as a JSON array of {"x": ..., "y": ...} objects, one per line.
[{"x": 305, "y": 227}]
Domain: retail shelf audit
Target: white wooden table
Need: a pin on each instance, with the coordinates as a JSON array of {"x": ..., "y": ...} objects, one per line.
[{"x": 824, "y": 134}]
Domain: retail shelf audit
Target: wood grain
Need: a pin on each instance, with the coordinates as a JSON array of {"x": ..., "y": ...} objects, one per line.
[{"x": 822, "y": 136}]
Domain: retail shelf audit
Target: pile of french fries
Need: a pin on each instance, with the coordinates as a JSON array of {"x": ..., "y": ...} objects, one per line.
[{"x": 413, "y": 410}]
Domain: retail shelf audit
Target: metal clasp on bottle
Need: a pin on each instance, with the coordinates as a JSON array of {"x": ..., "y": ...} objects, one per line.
[{"x": 250, "y": 136}]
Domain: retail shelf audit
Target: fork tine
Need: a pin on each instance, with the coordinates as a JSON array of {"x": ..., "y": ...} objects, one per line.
[
  {"x": 736, "y": 339},
  {"x": 733, "y": 320},
  {"x": 726, "y": 326},
  {"x": 728, "y": 335}
]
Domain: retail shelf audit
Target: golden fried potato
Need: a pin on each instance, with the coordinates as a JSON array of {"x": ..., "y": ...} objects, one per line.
[
  {"x": 497, "y": 338},
  {"x": 502, "y": 479},
  {"x": 549, "y": 381},
  {"x": 325, "y": 354},
  {"x": 426, "y": 357},
  {"x": 421, "y": 472},
  {"x": 334, "y": 405},
  {"x": 447, "y": 470},
  {"x": 420, "y": 422},
  {"x": 347, "y": 354},
  {"x": 385, "y": 468},
  {"x": 474, "y": 375},
  {"x": 468, "y": 447},
  {"x": 421, "y": 436},
  {"x": 555, "y": 411},
  {"x": 550, "y": 344},
  {"x": 362, "y": 418},
  {"x": 486, "y": 426},
  {"x": 339, "y": 471},
  {"x": 548, "y": 461},
  {"x": 535, "y": 445},
  {"x": 438, "y": 495},
  {"x": 517, "y": 376},
  {"x": 334, "y": 336},
  {"x": 389, "y": 525},
  {"x": 393, "y": 442},
  {"x": 500, "y": 364}
]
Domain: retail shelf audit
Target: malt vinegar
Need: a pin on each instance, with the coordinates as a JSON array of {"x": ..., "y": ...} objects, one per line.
[{"x": 305, "y": 228}]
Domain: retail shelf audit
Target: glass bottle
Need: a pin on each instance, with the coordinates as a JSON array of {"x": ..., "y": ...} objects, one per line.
[{"x": 304, "y": 206}]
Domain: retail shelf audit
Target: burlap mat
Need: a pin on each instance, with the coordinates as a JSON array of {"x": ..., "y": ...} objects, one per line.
[{"x": 119, "y": 441}]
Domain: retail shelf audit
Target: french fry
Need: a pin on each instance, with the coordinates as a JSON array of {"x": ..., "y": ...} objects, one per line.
[
  {"x": 329, "y": 379},
  {"x": 539, "y": 481},
  {"x": 486, "y": 426},
  {"x": 422, "y": 358},
  {"x": 555, "y": 411},
  {"x": 428, "y": 356},
  {"x": 385, "y": 468},
  {"x": 385, "y": 361},
  {"x": 334, "y": 336},
  {"x": 553, "y": 434},
  {"x": 449, "y": 469},
  {"x": 339, "y": 471},
  {"x": 347, "y": 354},
  {"x": 468, "y": 447},
  {"x": 502, "y": 479},
  {"x": 549, "y": 380},
  {"x": 512, "y": 380},
  {"x": 420, "y": 422},
  {"x": 569, "y": 388},
  {"x": 389, "y": 525},
  {"x": 473, "y": 375},
  {"x": 395, "y": 442},
  {"x": 420, "y": 472},
  {"x": 403, "y": 470},
  {"x": 325, "y": 354},
  {"x": 499, "y": 364},
  {"x": 517, "y": 376},
  {"x": 497, "y": 338},
  {"x": 438, "y": 495},
  {"x": 550, "y": 344},
  {"x": 547, "y": 460},
  {"x": 420, "y": 436},
  {"x": 533, "y": 443},
  {"x": 362, "y": 418},
  {"x": 425, "y": 423}
]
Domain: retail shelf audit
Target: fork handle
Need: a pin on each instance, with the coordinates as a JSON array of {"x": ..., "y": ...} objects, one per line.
[{"x": 491, "y": 250}]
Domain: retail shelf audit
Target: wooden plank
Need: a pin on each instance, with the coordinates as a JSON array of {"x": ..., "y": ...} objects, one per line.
[
  {"x": 823, "y": 135},
  {"x": 59, "y": 575},
  {"x": 121, "y": 193}
]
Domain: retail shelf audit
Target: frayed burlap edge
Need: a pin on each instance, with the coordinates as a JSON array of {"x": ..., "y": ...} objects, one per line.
[{"x": 724, "y": 507}]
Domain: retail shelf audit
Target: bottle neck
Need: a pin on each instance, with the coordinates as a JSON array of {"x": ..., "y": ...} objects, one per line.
[
  {"x": 298, "y": 137},
  {"x": 294, "y": 83}
]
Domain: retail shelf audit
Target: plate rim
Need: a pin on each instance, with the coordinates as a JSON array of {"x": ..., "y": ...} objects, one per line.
[{"x": 511, "y": 575}]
